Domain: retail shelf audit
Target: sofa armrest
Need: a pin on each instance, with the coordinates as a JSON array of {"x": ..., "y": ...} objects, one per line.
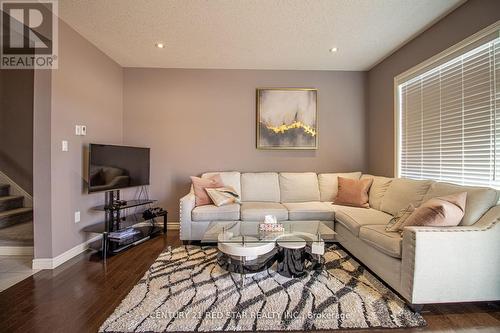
[
  {"x": 186, "y": 206},
  {"x": 452, "y": 264}
]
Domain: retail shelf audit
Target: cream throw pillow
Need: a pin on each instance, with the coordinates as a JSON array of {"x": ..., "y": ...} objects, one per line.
[
  {"x": 223, "y": 195},
  {"x": 395, "y": 223}
]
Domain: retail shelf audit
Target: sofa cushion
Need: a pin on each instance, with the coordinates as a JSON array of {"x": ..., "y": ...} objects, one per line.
[
  {"x": 262, "y": 186},
  {"x": 353, "y": 218},
  {"x": 229, "y": 178},
  {"x": 328, "y": 185},
  {"x": 402, "y": 192},
  {"x": 377, "y": 190},
  {"x": 213, "y": 213},
  {"x": 316, "y": 210},
  {"x": 299, "y": 187},
  {"x": 384, "y": 241},
  {"x": 479, "y": 199},
  {"x": 255, "y": 211}
]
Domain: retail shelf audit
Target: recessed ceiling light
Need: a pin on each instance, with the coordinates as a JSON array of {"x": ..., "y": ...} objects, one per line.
[
  {"x": 334, "y": 49},
  {"x": 160, "y": 45}
]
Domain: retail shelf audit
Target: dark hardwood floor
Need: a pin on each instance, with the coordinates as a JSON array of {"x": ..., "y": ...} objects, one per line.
[{"x": 80, "y": 294}]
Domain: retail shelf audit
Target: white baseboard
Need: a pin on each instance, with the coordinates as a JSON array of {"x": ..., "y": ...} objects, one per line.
[
  {"x": 16, "y": 250},
  {"x": 173, "y": 225},
  {"x": 51, "y": 263},
  {"x": 17, "y": 190}
]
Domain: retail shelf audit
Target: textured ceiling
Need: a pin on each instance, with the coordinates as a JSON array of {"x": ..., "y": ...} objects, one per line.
[{"x": 251, "y": 34}]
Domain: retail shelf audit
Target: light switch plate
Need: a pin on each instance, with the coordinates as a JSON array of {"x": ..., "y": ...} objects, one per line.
[
  {"x": 77, "y": 216},
  {"x": 83, "y": 130},
  {"x": 78, "y": 129},
  {"x": 65, "y": 145}
]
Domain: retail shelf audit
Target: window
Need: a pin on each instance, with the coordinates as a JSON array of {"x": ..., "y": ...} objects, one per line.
[{"x": 448, "y": 117}]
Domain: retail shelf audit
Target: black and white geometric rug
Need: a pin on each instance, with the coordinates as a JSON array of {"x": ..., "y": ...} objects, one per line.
[{"x": 186, "y": 291}]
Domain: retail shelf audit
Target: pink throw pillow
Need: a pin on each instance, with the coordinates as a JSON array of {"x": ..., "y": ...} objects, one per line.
[
  {"x": 199, "y": 186},
  {"x": 446, "y": 211},
  {"x": 353, "y": 192}
]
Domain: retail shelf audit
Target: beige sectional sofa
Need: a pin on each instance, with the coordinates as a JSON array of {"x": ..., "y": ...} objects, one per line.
[{"x": 424, "y": 264}]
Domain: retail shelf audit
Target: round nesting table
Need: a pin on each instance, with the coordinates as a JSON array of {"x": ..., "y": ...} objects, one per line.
[
  {"x": 244, "y": 254},
  {"x": 247, "y": 247},
  {"x": 250, "y": 254}
]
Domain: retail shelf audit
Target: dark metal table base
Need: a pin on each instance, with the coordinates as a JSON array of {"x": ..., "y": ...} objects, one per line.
[
  {"x": 244, "y": 266},
  {"x": 291, "y": 263}
]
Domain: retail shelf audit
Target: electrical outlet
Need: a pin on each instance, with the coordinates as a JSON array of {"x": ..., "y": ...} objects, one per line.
[
  {"x": 78, "y": 129},
  {"x": 65, "y": 145},
  {"x": 83, "y": 130},
  {"x": 77, "y": 217}
]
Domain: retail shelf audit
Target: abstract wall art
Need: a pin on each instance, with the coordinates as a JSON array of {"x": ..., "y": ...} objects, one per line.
[{"x": 287, "y": 118}]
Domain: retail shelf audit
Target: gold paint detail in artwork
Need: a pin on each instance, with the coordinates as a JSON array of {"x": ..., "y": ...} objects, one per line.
[{"x": 296, "y": 124}]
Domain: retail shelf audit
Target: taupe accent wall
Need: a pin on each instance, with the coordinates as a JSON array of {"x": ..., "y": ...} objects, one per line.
[
  {"x": 86, "y": 89},
  {"x": 42, "y": 181},
  {"x": 466, "y": 20},
  {"x": 205, "y": 120}
]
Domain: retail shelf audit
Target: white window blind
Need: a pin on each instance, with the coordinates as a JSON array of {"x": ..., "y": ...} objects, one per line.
[{"x": 449, "y": 120}]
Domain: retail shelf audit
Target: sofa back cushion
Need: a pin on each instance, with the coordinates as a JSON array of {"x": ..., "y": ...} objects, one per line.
[
  {"x": 262, "y": 186},
  {"x": 377, "y": 190},
  {"x": 229, "y": 178},
  {"x": 479, "y": 199},
  {"x": 402, "y": 192},
  {"x": 299, "y": 187},
  {"x": 329, "y": 186}
]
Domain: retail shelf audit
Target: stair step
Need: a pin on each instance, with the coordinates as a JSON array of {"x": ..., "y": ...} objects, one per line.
[
  {"x": 4, "y": 189},
  {"x": 15, "y": 216},
  {"x": 11, "y": 202}
]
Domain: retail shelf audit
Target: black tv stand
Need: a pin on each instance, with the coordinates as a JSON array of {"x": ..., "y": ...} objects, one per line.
[{"x": 115, "y": 221}]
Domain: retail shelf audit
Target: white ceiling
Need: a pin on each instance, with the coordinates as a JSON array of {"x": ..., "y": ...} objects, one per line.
[{"x": 252, "y": 34}]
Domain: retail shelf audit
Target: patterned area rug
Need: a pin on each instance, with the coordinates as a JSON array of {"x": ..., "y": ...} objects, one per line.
[{"x": 185, "y": 290}]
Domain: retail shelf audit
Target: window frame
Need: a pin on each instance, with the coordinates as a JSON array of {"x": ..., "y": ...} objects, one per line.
[{"x": 481, "y": 37}]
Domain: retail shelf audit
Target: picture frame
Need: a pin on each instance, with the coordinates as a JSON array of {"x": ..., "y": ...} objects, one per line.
[{"x": 287, "y": 119}]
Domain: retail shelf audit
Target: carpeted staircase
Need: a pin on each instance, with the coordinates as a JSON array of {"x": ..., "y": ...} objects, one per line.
[{"x": 12, "y": 210}]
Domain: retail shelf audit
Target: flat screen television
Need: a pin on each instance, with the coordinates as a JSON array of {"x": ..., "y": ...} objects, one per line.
[{"x": 114, "y": 167}]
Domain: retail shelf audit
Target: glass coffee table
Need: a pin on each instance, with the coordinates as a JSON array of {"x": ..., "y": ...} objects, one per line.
[{"x": 245, "y": 249}]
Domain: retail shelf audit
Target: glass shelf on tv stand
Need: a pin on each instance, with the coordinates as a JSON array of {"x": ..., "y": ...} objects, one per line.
[
  {"x": 126, "y": 222},
  {"x": 129, "y": 204},
  {"x": 118, "y": 245}
]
